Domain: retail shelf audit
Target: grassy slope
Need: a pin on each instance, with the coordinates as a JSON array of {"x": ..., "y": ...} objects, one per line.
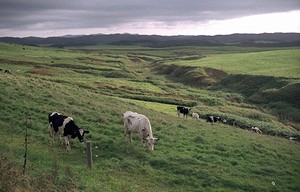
[
  {"x": 267, "y": 77},
  {"x": 190, "y": 156},
  {"x": 284, "y": 63}
]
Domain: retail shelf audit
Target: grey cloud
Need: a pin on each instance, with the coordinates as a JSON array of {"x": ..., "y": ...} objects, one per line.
[{"x": 18, "y": 14}]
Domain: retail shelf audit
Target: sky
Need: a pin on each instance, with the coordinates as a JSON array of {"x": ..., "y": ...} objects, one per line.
[{"x": 44, "y": 18}]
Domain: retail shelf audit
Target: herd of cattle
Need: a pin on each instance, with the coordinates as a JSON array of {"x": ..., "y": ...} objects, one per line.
[
  {"x": 64, "y": 126},
  {"x": 209, "y": 118},
  {"x": 5, "y": 71}
]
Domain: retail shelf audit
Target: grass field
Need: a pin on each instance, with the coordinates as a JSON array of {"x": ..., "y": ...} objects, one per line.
[
  {"x": 278, "y": 63},
  {"x": 96, "y": 85}
]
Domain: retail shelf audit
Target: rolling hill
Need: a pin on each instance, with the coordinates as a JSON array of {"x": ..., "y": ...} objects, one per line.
[
  {"x": 259, "y": 40},
  {"x": 97, "y": 84}
]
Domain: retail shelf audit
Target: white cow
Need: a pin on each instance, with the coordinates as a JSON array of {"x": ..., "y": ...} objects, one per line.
[
  {"x": 138, "y": 123},
  {"x": 195, "y": 116}
]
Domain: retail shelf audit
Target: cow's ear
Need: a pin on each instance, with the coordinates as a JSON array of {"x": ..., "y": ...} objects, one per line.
[
  {"x": 156, "y": 139},
  {"x": 86, "y": 132}
]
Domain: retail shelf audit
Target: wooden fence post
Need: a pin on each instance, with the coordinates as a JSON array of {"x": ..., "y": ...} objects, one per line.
[{"x": 89, "y": 154}]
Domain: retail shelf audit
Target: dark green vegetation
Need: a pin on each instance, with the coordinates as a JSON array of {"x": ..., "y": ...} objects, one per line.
[{"x": 96, "y": 85}]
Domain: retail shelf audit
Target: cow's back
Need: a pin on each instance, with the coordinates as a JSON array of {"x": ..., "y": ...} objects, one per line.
[
  {"x": 68, "y": 127},
  {"x": 56, "y": 121},
  {"x": 135, "y": 122},
  {"x": 52, "y": 117}
]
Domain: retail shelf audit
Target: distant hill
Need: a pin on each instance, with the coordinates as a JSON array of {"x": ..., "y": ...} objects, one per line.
[{"x": 258, "y": 40}]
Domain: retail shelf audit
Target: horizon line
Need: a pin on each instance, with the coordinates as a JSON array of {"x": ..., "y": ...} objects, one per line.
[{"x": 73, "y": 35}]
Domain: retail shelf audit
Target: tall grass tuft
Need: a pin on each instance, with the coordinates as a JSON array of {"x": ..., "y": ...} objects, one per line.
[{"x": 11, "y": 176}]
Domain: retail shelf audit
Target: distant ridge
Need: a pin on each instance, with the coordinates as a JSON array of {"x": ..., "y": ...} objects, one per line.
[{"x": 258, "y": 40}]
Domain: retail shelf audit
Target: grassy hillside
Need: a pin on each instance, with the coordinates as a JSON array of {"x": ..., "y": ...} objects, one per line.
[
  {"x": 277, "y": 63},
  {"x": 96, "y": 86},
  {"x": 268, "y": 78}
]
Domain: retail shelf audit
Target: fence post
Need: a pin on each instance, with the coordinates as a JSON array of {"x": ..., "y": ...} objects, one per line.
[{"x": 89, "y": 154}]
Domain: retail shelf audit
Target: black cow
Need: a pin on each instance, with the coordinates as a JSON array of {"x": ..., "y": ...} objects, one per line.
[
  {"x": 65, "y": 126},
  {"x": 184, "y": 110}
]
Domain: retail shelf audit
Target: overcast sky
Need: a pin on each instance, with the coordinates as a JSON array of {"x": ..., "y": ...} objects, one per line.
[{"x": 45, "y": 18}]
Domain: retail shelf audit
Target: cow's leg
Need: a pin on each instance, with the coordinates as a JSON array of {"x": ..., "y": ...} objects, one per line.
[
  {"x": 126, "y": 128},
  {"x": 52, "y": 135},
  {"x": 126, "y": 132},
  {"x": 60, "y": 132},
  {"x": 130, "y": 135},
  {"x": 67, "y": 141},
  {"x": 51, "y": 131},
  {"x": 142, "y": 139},
  {"x": 70, "y": 141},
  {"x": 60, "y": 140}
]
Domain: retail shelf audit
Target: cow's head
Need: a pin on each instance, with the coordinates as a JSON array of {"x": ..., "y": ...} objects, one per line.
[
  {"x": 151, "y": 141},
  {"x": 81, "y": 133}
]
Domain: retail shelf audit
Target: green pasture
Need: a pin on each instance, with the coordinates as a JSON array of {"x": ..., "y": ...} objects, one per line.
[
  {"x": 96, "y": 85},
  {"x": 278, "y": 63}
]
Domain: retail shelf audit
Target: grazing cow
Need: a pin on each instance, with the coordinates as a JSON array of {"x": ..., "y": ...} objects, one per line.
[
  {"x": 195, "y": 116},
  {"x": 212, "y": 119},
  {"x": 138, "y": 123},
  {"x": 256, "y": 130},
  {"x": 217, "y": 119},
  {"x": 184, "y": 110},
  {"x": 224, "y": 121},
  {"x": 7, "y": 71},
  {"x": 293, "y": 139},
  {"x": 65, "y": 126}
]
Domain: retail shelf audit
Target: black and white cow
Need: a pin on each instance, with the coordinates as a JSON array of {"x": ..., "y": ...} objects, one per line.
[
  {"x": 7, "y": 71},
  {"x": 65, "y": 126},
  {"x": 184, "y": 110},
  {"x": 256, "y": 130},
  {"x": 212, "y": 119}
]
